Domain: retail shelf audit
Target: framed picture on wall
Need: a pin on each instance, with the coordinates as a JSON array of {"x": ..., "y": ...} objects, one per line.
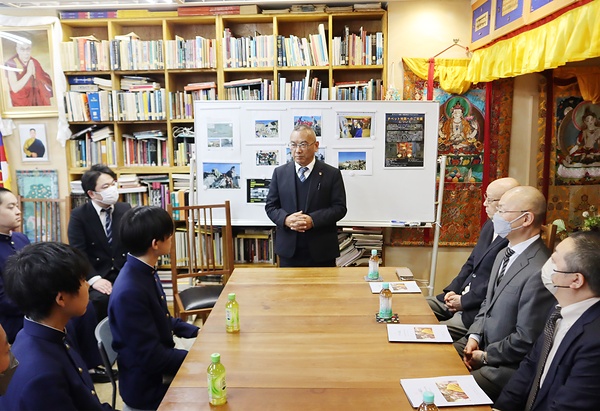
[
  {"x": 34, "y": 145},
  {"x": 37, "y": 184},
  {"x": 27, "y": 77}
]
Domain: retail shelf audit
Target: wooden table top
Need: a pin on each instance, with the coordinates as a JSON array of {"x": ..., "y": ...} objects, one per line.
[{"x": 309, "y": 341}]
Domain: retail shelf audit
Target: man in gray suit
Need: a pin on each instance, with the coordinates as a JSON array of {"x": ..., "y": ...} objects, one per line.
[{"x": 516, "y": 305}]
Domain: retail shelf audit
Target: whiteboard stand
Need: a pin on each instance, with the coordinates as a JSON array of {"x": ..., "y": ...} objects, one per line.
[
  {"x": 438, "y": 225},
  {"x": 193, "y": 177}
]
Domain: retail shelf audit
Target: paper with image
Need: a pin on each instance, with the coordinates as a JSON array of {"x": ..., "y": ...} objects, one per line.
[
  {"x": 398, "y": 287},
  {"x": 418, "y": 333},
  {"x": 456, "y": 390}
]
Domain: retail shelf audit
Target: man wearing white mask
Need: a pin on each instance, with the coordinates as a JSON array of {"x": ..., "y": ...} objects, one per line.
[
  {"x": 94, "y": 229},
  {"x": 516, "y": 305},
  {"x": 563, "y": 369}
]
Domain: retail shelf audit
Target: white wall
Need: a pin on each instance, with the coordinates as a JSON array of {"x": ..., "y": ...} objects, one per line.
[{"x": 423, "y": 29}]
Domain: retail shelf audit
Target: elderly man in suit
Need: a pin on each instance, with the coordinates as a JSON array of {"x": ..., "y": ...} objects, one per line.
[
  {"x": 563, "y": 369},
  {"x": 516, "y": 304},
  {"x": 94, "y": 229},
  {"x": 458, "y": 305},
  {"x": 306, "y": 199}
]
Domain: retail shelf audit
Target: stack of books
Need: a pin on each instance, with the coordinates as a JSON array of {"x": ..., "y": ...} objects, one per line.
[{"x": 356, "y": 244}]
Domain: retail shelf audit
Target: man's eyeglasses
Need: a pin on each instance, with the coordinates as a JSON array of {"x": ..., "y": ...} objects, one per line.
[
  {"x": 490, "y": 200},
  {"x": 512, "y": 211},
  {"x": 565, "y": 272},
  {"x": 304, "y": 145}
]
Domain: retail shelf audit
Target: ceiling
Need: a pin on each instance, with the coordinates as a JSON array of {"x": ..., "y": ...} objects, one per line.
[{"x": 81, "y": 5}]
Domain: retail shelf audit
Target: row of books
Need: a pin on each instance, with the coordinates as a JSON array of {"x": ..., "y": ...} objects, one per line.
[
  {"x": 183, "y": 149},
  {"x": 181, "y": 103},
  {"x": 294, "y": 51},
  {"x": 93, "y": 146},
  {"x": 198, "y": 52},
  {"x": 356, "y": 244},
  {"x": 148, "y": 152},
  {"x": 360, "y": 90},
  {"x": 254, "y": 246},
  {"x": 209, "y": 248},
  {"x": 255, "y": 51},
  {"x": 116, "y": 105},
  {"x": 357, "y": 49}
]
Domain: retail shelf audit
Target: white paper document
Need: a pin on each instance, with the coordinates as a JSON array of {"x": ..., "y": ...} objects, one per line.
[
  {"x": 397, "y": 287},
  {"x": 418, "y": 333},
  {"x": 451, "y": 391}
]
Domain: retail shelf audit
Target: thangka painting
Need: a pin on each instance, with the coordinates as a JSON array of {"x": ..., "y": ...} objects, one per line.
[
  {"x": 574, "y": 153},
  {"x": 577, "y": 142},
  {"x": 461, "y": 139},
  {"x": 37, "y": 184}
]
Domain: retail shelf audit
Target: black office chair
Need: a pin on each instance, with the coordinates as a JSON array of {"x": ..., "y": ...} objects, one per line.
[{"x": 108, "y": 355}]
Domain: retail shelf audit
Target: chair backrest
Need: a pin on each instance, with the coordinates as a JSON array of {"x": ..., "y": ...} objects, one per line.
[
  {"x": 549, "y": 235},
  {"x": 41, "y": 218},
  {"x": 203, "y": 243},
  {"x": 108, "y": 355}
]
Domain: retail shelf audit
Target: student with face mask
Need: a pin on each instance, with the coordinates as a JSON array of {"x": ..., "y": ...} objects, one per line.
[{"x": 94, "y": 229}]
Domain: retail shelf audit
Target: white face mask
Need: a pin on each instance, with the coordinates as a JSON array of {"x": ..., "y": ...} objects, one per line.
[
  {"x": 503, "y": 227},
  {"x": 110, "y": 195},
  {"x": 547, "y": 271}
]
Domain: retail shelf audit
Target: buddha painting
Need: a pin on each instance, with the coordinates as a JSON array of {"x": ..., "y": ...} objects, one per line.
[
  {"x": 578, "y": 144},
  {"x": 460, "y": 128}
]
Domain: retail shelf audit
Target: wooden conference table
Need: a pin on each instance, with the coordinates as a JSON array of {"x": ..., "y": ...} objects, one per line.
[{"x": 309, "y": 341}]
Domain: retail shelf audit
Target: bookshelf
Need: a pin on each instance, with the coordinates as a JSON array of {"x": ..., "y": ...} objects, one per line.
[{"x": 187, "y": 57}]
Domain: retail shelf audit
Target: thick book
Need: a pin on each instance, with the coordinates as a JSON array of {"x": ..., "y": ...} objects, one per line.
[{"x": 80, "y": 79}]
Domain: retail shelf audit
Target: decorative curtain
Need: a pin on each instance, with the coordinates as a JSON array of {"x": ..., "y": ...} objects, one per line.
[
  {"x": 572, "y": 36},
  {"x": 450, "y": 74},
  {"x": 461, "y": 215}
]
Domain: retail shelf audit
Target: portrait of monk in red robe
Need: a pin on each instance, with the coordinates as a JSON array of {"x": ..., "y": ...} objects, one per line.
[{"x": 29, "y": 85}]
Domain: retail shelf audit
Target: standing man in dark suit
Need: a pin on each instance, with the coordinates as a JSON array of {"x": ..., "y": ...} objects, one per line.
[
  {"x": 94, "y": 229},
  {"x": 306, "y": 199},
  {"x": 458, "y": 305},
  {"x": 517, "y": 303},
  {"x": 569, "y": 376}
]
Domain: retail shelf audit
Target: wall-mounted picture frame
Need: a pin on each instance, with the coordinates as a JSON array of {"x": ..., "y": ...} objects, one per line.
[
  {"x": 27, "y": 78},
  {"x": 37, "y": 184},
  {"x": 34, "y": 145}
]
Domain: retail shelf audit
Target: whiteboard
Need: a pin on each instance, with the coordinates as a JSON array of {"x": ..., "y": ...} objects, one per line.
[{"x": 389, "y": 172}]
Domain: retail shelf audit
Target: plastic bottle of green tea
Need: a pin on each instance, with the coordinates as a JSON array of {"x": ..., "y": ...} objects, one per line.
[
  {"x": 385, "y": 302},
  {"x": 217, "y": 388},
  {"x": 232, "y": 314}
]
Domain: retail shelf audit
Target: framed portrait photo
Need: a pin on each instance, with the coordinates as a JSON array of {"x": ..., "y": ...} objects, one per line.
[
  {"x": 34, "y": 145},
  {"x": 27, "y": 74}
]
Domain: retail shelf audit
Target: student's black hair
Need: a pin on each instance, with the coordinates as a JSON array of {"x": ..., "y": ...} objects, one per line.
[
  {"x": 36, "y": 274},
  {"x": 90, "y": 177},
  {"x": 3, "y": 191},
  {"x": 140, "y": 225}
]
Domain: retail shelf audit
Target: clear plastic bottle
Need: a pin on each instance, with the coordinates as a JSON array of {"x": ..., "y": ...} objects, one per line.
[
  {"x": 428, "y": 404},
  {"x": 373, "y": 266},
  {"x": 217, "y": 388},
  {"x": 232, "y": 314},
  {"x": 385, "y": 301}
]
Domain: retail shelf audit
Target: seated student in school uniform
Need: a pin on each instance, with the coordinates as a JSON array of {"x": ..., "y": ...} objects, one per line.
[
  {"x": 139, "y": 319},
  {"x": 47, "y": 281},
  {"x": 81, "y": 328}
]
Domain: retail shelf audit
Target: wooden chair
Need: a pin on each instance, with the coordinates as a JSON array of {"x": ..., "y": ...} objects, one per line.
[
  {"x": 41, "y": 218},
  {"x": 201, "y": 251},
  {"x": 549, "y": 235}
]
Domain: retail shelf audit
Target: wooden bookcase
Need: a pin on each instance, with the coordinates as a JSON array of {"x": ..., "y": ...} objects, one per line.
[{"x": 212, "y": 27}]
